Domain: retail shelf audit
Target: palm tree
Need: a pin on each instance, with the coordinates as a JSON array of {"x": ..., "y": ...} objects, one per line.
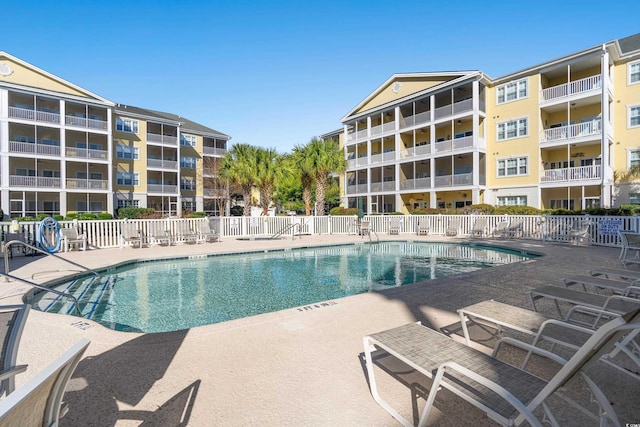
[
  {"x": 306, "y": 175},
  {"x": 269, "y": 170},
  {"x": 239, "y": 167},
  {"x": 322, "y": 157}
]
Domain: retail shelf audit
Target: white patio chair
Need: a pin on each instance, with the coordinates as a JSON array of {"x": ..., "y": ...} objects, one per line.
[
  {"x": 130, "y": 235},
  {"x": 206, "y": 233},
  {"x": 38, "y": 401},
  {"x": 507, "y": 394},
  {"x": 72, "y": 239},
  {"x": 394, "y": 225},
  {"x": 184, "y": 233},
  {"x": 452, "y": 227},
  {"x": 158, "y": 235}
]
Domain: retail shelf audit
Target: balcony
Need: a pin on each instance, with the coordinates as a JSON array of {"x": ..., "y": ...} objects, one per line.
[
  {"x": 209, "y": 172},
  {"x": 34, "y": 181},
  {"x": 87, "y": 184},
  {"x": 566, "y": 133},
  {"x": 86, "y": 153},
  {"x": 566, "y": 90},
  {"x": 31, "y": 114},
  {"x": 455, "y": 108},
  {"x": 355, "y": 136},
  {"x": 32, "y": 148},
  {"x": 420, "y": 150},
  {"x": 384, "y": 157},
  {"x": 212, "y": 151},
  {"x": 162, "y": 189},
  {"x": 453, "y": 144},
  {"x": 83, "y": 122},
  {"x": 581, "y": 173},
  {"x": 415, "y": 120},
  {"x": 454, "y": 180},
  {"x": 162, "y": 164},
  {"x": 162, "y": 139},
  {"x": 415, "y": 184}
]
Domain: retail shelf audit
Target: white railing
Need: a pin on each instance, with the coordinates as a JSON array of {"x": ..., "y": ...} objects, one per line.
[
  {"x": 416, "y": 119},
  {"x": 572, "y": 88},
  {"x": 462, "y": 106},
  {"x": 28, "y": 147},
  {"x": 415, "y": 184},
  {"x": 464, "y": 142},
  {"x": 162, "y": 139},
  {"x": 351, "y": 163},
  {"x": 388, "y": 156},
  {"x": 162, "y": 188},
  {"x": 463, "y": 179},
  {"x": 580, "y": 173},
  {"x": 212, "y": 151},
  {"x": 376, "y": 130},
  {"x": 603, "y": 230},
  {"x": 83, "y": 122},
  {"x": 86, "y": 153},
  {"x": 389, "y": 127},
  {"x": 389, "y": 186},
  {"x": 578, "y": 130},
  {"x": 441, "y": 146},
  {"x": 352, "y": 189},
  {"x": 376, "y": 187},
  {"x": 29, "y": 114},
  {"x": 87, "y": 184},
  {"x": 361, "y": 161},
  {"x": 162, "y": 164},
  {"x": 376, "y": 158},
  {"x": 363, "y": 188},
  {"x": 34, "y": 181}
]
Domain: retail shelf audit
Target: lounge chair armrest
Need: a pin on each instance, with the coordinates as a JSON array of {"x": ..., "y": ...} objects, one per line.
[
  {"x": 8, "y": 373},
  {"x": 632, "y": 290},
  {"x": 527, "y": 347},
  {"x": 583, "y": 309},
  {"x": 496, "y": 388}
]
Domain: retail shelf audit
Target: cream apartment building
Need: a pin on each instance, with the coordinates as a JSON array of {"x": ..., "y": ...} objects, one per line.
[
  {"x": 562, "y": 134},
  {"x": 65, "y": 149}
]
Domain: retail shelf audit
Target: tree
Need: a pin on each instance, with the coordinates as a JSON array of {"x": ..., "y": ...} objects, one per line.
[
  {"x": 239, "y": 167},
  {"x": 270, "y": 168},
  {"x": 323, "y": 157},
  {"x": 306, "y": 174}
]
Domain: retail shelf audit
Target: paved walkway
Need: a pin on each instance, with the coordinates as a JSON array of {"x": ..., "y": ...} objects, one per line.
[{"x": 286, "y": 368}]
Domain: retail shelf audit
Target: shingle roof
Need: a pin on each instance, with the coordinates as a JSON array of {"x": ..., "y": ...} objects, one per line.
[
  {"x": 186, "y": 124},
  {"x": 630, "y": 44}
]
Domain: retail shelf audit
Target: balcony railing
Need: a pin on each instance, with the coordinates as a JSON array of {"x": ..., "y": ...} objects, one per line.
[
  {"x": 388, "y": 156},
  {"x": 362, "y": 188},
  {"x": 87, "y": 184},
  {"x": 32, "y": 148},
  {"x": 162, "y": 139},
  {"x": 83, "y": 122},
  {"x": 415, "y": 184},
  {"x": 86, "y": 153},
  {"x": 580, "y": 173},
  {"x": 389, "y": 185},
  {"x": 353, "y": 136},
  {"x": 208, "y": 172},
  {"x": 416, "y": 119},
  {"x": 454, "y": 180},
  {"x": 351, "y": 163},
  {"x": 420, "y": 150},
  {"x": 455, "y": 108},
  {"x": 212, "y": 151},
  {"x": 29, "y": 114},
  {"x": 161, "y": 188},
  {"x": 162, "y": 164},
  {"x": 361, "y": 161},
  {"x": 352, "y": 189},
  {"x": 34, "y": 181},
  {"x": 578, "y": 130},
  {"x": 453, "y": 144},
  {"x": 572, "y": 88},
  {"x": 376, "y": 187}
]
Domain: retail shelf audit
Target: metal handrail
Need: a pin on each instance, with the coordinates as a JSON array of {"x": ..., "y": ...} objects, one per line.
[
  {"x": 35, "y": 248},
  {"x": 45, "y": 288},
  {"x": 287, "y": 228}
]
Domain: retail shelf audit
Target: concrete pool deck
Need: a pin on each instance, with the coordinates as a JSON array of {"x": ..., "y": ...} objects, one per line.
[{"x": 301, "y": 366}]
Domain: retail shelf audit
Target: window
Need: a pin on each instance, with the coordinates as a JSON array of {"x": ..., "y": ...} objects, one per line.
[
  {"x": 187, "y": 184},
  {"x": 512, "y": 129},
  {"x": 188, "y": 140},
  {"x": 128, "y": 204},
  {"x": 634, "y": 116},
  {"x": 126, "y": 125},
  {"x": 25, "y": 172},
  {"x": 127, "y": 152},
  {"x": 562, "y": 204},
  {"x": 188, "y": 162},
  {"x": 513, "y": 167},
  {"x": 129, "y": 179},
  {"x": 634, "y": 72},
  {"x": 634, "y": 159},
  {"x": 51, "y": 174},
  {"x": 512, "y": 201},
  {"x": 634, "y": 198},
  {"x": 512, "y": 91},
  {"x": 81, "y": 206},
  {"x": 51, "y": 206}
]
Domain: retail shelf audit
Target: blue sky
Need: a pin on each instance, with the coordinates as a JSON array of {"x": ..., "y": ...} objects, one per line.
[{"x": 275, "y": 74}]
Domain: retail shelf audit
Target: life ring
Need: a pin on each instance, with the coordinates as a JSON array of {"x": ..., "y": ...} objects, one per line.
[{"x": 47, "y": 230}]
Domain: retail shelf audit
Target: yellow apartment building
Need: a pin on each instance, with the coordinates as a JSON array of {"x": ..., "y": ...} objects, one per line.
[
  {"x": 65, "y": 149},
  {"x": 562, "y": 134}
]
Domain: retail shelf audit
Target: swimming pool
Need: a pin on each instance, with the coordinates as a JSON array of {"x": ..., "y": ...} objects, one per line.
[{"x": 178, "y": 294}]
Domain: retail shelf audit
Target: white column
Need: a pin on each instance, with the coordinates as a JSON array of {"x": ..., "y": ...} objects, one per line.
[
  {"x": 110, "y": 167},
  {"x": 607, "y": 165}
]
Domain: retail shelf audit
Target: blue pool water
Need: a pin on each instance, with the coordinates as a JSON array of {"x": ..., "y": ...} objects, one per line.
[{"x": 179, "y": 294}]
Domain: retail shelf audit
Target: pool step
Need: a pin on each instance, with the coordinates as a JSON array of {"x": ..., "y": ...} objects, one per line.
[{"x": 89, "y": 291}]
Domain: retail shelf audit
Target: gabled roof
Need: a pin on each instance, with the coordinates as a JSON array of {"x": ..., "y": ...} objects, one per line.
[
  {"x": 185, "y": 124},
  {"x": 74, "y": 92},
  {"x": 438, "y": 80},
  {"x": 629, "y": 44}
]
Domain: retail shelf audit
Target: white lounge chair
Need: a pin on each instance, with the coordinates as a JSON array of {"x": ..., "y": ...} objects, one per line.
[
  {"x": 501, "y": 229},
  {"x": 480, "y": 227},
  {"x": 615, "y": 303},
  {"x": 630, "y": 244},
  {"x": 364, "y": 228},
  {"x": 158, "y": 235},
  {"x": 504, "y": 392},
  {"x": 38, "y": 401},
  {"x": 423, "y": 228},
  {"x": 206, "y": 233},
  {"x": 72, "y": 239},
  {"x": 184, "y": 233},
  {"x": 616, "y": 273},
  {"x": 452, "y": 227},
  {"x": 579, "y": 232},
  {"x": 130, "y": 235},
  {"x": 616, "y": 286},
  {"x": 394, "y": 225},
  {"x": 12, "y": 321},
  {"x": 515, "y": 228}
]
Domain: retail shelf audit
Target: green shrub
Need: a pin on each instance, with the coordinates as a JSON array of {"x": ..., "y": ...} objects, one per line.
[
  {"x": 428, "y": 211},
  {"x": 87, "y": 216},
  {"x": 479, "y": 209},
  {"x": 104, "y": 215},
  {"x": 516, "y": 210},
  {"x": 196, "y": 215},
  {"x": 339, "y": 210},
  {"x": 133, "y": 213},
  {"x": 72, "y": 215},
  {"x": 396, "y": 213},
  {"x": 26, "y": 219}
]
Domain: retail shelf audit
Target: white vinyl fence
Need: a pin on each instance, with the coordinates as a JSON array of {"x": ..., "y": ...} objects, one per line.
[{"x": 603, "y": 230}]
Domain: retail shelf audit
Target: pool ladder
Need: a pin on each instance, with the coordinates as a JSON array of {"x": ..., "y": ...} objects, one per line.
[{"x": 290, "y": 227}]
